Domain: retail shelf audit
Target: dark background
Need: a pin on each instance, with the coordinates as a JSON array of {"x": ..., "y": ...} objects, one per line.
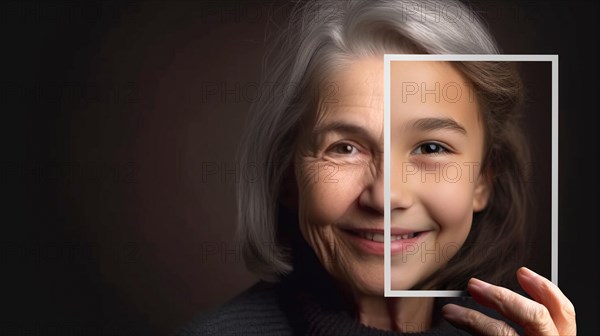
[{"x": 119, "y": 126}]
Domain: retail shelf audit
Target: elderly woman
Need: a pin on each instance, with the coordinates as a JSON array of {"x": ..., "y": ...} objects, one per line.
[{"x": 311, "y": 223}]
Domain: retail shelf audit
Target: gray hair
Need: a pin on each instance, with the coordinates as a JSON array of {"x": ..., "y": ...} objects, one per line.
[{"x": 319, "y": 37}]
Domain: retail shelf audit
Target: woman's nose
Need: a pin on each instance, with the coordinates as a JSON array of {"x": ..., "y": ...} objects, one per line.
[{"x": 373, "y": 195}]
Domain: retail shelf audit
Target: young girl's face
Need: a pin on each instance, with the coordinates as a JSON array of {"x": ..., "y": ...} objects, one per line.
[{"x": 436, "y": 150}]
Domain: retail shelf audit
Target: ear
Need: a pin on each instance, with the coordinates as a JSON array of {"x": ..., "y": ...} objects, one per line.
[
  {"x": 482, "y": 191},
  {"x": 288, "y": 194}
]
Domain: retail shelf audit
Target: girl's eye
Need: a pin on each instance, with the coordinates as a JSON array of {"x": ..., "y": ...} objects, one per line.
[
  {"x": 431, "y": 148},
  {"x": 344, "y": 149}
]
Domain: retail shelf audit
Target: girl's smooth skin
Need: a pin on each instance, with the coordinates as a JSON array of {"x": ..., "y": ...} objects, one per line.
[
  {"x": 437, "y": 144},
  {"x": 340, "y": 189}
]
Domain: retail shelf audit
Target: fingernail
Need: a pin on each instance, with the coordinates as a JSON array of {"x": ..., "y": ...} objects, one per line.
[
  {"x": 452, "y": 311},
  {"x": 477, "y": 284},
  {"x": 527, "y": 272}
]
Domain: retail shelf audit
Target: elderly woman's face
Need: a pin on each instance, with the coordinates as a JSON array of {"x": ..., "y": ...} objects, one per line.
[{"x": 436, "y": 148}]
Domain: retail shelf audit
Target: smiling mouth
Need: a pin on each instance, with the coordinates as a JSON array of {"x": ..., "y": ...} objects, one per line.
[{"x": 379, "y": 237}]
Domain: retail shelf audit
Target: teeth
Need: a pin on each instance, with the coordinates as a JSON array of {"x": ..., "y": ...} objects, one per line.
[{"x": 378, "y": 237}]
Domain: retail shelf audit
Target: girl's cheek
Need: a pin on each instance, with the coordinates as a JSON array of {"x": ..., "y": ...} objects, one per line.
[{"x": 450, "y": 204}]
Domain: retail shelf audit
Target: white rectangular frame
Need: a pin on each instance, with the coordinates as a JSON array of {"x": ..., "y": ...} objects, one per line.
[{"x": 388, "y": 58}]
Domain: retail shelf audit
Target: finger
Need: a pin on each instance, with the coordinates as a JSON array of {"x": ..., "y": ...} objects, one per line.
[
  {"x": 475, "y": 322},
  {"x": 532, "y": 316},
  {"x": 545, "y": 292}
]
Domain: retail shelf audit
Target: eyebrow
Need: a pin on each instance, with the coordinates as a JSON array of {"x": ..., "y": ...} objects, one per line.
[
  {"x": 340, "y": 127},
  {"x": 424, "y": 124},
  {"x": 434, "y": 124}
]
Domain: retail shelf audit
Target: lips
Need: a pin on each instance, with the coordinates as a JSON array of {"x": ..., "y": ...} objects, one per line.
[
  {"x": 378, "y": 237},
  {"x": 372, "y": 240}
]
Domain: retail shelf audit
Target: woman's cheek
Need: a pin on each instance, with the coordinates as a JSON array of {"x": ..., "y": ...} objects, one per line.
[
  {"x": 322, "y": 204},
  {"x": 327, "y": 199}
]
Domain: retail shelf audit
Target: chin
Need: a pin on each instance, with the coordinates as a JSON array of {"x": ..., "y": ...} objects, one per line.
[
  {"x": 367, "y": 284},
  {"x": 401, "y": 285},
  {"x": 371, "y": 289}
]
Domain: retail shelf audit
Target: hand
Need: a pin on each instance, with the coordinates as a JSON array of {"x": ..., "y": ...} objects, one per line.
[{"x": 550, "y": 314}]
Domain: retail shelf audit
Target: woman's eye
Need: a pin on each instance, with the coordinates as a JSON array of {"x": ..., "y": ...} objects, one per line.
[
  {"x": 431, "y": 148},
  {"x": 344, "y": 149}
]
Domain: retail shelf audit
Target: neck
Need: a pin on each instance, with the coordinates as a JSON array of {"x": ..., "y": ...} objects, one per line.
[{"x": 399, "y": 314}]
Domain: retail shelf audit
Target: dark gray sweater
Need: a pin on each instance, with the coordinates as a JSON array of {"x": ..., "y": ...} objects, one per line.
[
  {"x": 261, "y": 311},
  {"x": 307, "y": 302}
]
